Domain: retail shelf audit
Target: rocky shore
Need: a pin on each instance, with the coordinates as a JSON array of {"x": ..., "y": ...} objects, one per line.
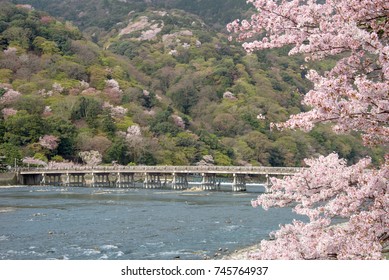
[{"x": 241, "y": 254}]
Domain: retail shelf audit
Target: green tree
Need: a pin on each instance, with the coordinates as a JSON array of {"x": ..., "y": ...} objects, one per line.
[
  {"x": 5, "y": 77},
  {"x": 87, "y": 108},
  {"x": 66, "y": 132},
  {"x": 17, "y": 36},
  {"x": 97, "y": 76},
  {"x": 23, "y": 128},
  {"x": 11, "y": 153},
  {"x": 108, "y": 125},
  {"x": 33, "y": 104},
  {"x": 118, "y": 152},
  {"x": 283, "y": 152},
  {"x": 45, "y": 46},
  {"x": 184, "y": 95},
  {"x": 163, "y": 123},
  {"x": 260, "y": 145}
]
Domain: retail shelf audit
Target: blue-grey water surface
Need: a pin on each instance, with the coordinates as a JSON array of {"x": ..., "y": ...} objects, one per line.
[{"x": 97, "y": 223}]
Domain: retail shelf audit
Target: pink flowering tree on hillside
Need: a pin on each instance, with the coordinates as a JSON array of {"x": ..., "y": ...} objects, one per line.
[
  {"x": 91, "y": 158},
  {"x": 9, "y": 97},
  {"x": 354, "y": 96},
  {"x": 49, "y": 142}
]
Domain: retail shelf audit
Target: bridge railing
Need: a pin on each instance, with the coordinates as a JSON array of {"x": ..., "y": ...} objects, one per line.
[{"x": 169, "y": 169}]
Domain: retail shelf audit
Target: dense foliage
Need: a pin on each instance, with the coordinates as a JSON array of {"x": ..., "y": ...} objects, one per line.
[
  {"x": 93, "y": 13},
  {"x": 150, "y": 87}
]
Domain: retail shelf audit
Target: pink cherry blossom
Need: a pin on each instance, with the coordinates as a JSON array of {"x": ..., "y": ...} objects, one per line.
[
  {"x": 33, "y": 161},
  {"x": 326, "y": 191},
  {"x": 91, "y": 158},
  {"x": 10, "y": 51},
  {"x": 7, "y": 112},
  {"x": 113, "y": 91},
  {"x": 49, "y": 142},
  {"x": 134, "y": 131},
  {"x": 63, "y": 165},
  {"x": 178, "y": 121},
  {"x": 58, "y": 88},
  {"x": 115, "y": 111},
  {"x": 47, "y": 111},
  {"x": 133, "y": 136},
  {"x": 9, "y": 96},
  {"x": 354, "y": 96}
]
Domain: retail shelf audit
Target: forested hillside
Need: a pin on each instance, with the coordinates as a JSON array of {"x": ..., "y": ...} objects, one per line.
[
  {"x": 145, "y": 84},
  {"x": 106, "y": 13}
]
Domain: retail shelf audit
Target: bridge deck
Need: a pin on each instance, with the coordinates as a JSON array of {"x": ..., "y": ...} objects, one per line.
[
  {"x": 154, "y": 177},
  {"x": 248, "y": 170}
]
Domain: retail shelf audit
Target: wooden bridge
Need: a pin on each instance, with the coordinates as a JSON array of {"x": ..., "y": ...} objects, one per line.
[{"x": 174, "y": 177}]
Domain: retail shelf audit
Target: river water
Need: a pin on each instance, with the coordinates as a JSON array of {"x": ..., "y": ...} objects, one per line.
[{"x": 100, "y": 223}]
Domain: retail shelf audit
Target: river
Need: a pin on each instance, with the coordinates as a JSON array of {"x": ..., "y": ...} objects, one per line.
[{"x": 44, "y": 222}]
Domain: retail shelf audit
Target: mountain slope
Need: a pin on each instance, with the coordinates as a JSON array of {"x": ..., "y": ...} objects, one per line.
[
  {"x": 160, "y": 87},
  {"x": 106, "y": 13}
]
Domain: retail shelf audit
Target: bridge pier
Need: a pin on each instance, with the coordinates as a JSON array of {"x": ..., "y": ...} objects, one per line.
[
  {"x": 268, "y": 184},
  {"x": 124, "y": 176},
  {"x": 180, "y": 181},
  {"x": 75, "y": 179},
  {"x": 31, "y": 179},
  {"x": 51, "y": 179},
  {"x": 100, "y": 180},
  {"x": 209, "y": 182},
  {"x": 239, "y": 182},
  {"x": 152, "y": 181},
  {"x": 125, "y": 180}
]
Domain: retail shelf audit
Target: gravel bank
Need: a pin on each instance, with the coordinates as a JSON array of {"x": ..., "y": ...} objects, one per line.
[{"x": 241, "y": 254}]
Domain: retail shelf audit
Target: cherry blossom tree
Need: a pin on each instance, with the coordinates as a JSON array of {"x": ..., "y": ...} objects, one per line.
[
  {"x": 115, "y": 111},
  {"x": 49, "y": 142},
  {"x": 33, "y": 161},
  {"x": 63, "y": 165},
  {"x": 91, "y": 158},
  {"x": 7, "y": 112},
  {"x": 58, "y": 88},
  {"x": 133, "y": 136},
  {"x": 134, "y": 131},
  {"x": 113, "y": 91},
  {"x": 178, "y": 121},
  {"x": 354, "y": 96},
  {"x": 47, "y": 111},
  {"x": 9, "y": 96}
]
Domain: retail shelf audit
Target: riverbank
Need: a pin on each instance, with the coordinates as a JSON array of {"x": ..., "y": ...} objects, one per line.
[
  {"x": 241, "y": 254},
  {"x": 8, "y": 178}
]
